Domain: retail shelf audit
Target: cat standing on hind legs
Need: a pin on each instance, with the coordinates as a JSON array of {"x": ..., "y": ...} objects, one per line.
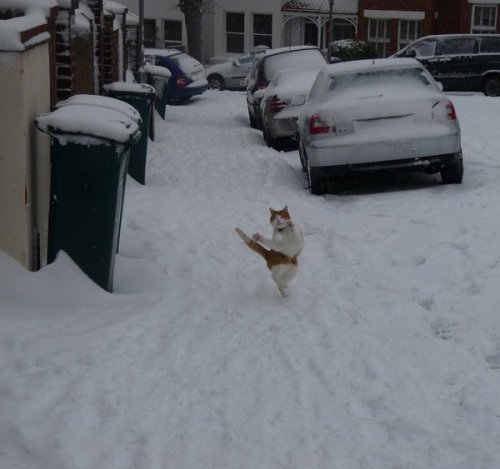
[{"x": 281, "y": 252}]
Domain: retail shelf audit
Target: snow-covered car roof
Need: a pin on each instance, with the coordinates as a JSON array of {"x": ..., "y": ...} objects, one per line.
[
  {"x": 280, "y": 50},
  {"x": 162, "y": 52},
  {"x": 371, "y": 64}
]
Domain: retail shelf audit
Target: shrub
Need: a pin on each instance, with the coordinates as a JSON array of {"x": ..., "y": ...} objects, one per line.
[{"x": 352, "y": 49}]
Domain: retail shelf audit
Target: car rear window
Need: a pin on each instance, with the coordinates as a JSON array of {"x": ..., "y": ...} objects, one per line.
[
  {"x": 186, "y": 63},
  {"x": 300, "y": 58},
  {"x": 490, "y": 45},
  {"x": 373, "y": 80}
]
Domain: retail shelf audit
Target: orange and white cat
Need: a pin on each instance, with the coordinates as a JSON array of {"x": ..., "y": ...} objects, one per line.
[{"x": 282, "y": 251}]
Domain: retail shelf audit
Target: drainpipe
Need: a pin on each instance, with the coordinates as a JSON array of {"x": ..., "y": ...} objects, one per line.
[
  {"x": 140, "y": 42},
  {"x": 330, "y": 30}
]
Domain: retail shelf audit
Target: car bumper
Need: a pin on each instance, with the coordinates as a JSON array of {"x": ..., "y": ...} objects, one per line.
[
  {"x": 284, "y": 127},
  {"x": 186, "y": 92},
  {"x": 420, "y": 143}
]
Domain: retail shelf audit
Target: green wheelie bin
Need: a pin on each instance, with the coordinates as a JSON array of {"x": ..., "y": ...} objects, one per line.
[
  {"x": 90, "y": 146},
  {"x": 141, "y": 96}
]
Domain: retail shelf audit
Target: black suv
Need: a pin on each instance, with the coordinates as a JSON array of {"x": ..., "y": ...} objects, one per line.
[
  {"x": 461, "y": 62},
  {"x": 265, "y": 67}
]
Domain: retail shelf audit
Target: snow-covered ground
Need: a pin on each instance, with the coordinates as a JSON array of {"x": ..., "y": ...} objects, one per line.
[{"x": 386, "y": 354}]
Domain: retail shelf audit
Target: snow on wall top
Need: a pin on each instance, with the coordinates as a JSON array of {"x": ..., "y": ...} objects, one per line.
[
  {"x": 35, "y": 14},
  {"x": 115, "y": 7}
]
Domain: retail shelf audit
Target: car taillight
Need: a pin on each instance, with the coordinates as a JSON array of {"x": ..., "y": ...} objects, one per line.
[
  {"x": 444, "y": 110},
  {"x": 261, "y": 84},
  {"x": 320, "y": 125},
  {"x": 182, "y": 82},
  {"x": 277, "y": 104}
]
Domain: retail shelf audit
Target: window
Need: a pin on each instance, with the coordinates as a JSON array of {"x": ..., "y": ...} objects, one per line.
[
  {"x": 490, "y": 45},
  {"x": 149, "y": 33},
  {"x": 235, "y": 32},
  {"x": 263, "y": 30},
  {"x": 458, "y": 46},
  {"x": 408, "y": 32},
  {"x": 172, "y": 33},
  {"x": 425, "y": 48},
  {"x": 484, "y": 19},
  {"x": 378, "y": 35}
]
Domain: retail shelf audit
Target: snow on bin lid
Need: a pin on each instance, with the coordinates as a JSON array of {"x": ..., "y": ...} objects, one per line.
[
  {"x": 102, "y": 102},
  {"x": 78, "y": 122},
  {"x": 127, "y": 87}
]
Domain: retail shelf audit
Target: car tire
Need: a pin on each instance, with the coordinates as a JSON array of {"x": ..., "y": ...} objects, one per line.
[
  {"x": 216, "y": 82},
  {"x": 317, "y": 182},
  {"x": 454, "y": 172},
  {"x": 491, "y": 86},
  {"x": 271, "y": 141},
  {"x": 253, "y": 122},
  {"x": 302, "y": 155}
]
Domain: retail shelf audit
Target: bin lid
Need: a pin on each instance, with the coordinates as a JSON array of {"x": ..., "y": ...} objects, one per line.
[
  {"x": 104, "y": 102},
  {"x": 89, "y": 125},
  {"x": 127, "y": 88}
]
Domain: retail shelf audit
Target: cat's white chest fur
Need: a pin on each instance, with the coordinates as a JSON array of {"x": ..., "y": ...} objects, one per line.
[{"x": 288, "y": 241}]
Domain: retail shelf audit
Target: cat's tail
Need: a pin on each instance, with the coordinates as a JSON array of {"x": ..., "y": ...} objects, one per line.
[{"x": 253, "y": 245}]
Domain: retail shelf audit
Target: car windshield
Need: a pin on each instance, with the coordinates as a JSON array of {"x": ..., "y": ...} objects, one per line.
[
  {"x": 300, "y": 58},
  {"x": 426, "y": 48},
  {"x": 378, "y": 81}
]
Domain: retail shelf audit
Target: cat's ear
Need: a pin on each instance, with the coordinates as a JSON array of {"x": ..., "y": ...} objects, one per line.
[
  {"x": 272, "y": 211},
  {"x": 286, "y": 208}
]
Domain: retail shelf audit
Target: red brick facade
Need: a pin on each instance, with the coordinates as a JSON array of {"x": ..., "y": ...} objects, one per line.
[{"x": 434, "y": 16}]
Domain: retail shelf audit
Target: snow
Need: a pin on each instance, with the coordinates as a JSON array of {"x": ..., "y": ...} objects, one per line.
[
  {"x": 77, "y": 122},
  {"x": 11, "y": 29},
  {"x": 386, "y": 354}
]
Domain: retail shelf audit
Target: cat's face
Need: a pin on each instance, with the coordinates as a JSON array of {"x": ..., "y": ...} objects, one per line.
[{"x": 280, "y": 218}]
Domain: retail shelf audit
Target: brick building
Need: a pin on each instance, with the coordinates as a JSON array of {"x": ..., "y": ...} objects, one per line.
[{"x": 392, "y": 24}]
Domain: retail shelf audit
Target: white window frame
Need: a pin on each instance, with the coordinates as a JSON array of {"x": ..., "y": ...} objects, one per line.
[
  {"x": 409, "y": 38},
  {"x": 239, "y": 33},
  {"x": 255, "y": 35},
  {"x": 480, "y": 28},
  {"x": 167, "y": 43},
  {"x": 380, "y": 41}
]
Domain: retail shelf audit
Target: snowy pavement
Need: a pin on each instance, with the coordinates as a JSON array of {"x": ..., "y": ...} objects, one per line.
[{"x": 386, "y": 354}]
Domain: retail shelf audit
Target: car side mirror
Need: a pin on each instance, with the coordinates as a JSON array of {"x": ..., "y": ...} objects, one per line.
[
  {"x": 234, "y": 61},
  {"x": 411, "y": 53},
  {"x": 439, "y": 85}
]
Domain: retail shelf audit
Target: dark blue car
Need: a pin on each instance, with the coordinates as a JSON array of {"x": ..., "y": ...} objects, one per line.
[{"x": 187, "y": 74}]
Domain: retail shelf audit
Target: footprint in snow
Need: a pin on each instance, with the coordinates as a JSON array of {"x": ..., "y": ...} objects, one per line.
[{"x": 442, "y": 329}]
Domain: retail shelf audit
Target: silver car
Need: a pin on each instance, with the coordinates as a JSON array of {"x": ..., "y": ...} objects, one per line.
[
  {"x": 282, "y": 102},
  {"x": 378, "y": 115},
  {"x": 232, "y": 73}
]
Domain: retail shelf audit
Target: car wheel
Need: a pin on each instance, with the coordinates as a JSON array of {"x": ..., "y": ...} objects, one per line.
[
  {"x": 216, "y": 82},
  {"x": 491, "y": 86},
  {"x": 253, "y": 122},
  {"x": 302, "y": 155},
  {"x": 317, "y": 182},
  {"x": 271, "y": 141},
  {"x": 454, "y": 172}
]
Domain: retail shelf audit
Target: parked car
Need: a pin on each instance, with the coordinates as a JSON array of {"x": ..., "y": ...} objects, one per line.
[
  {"x": 378, "y": 115},
  {"x": 461, "y": 62},
  {"x": 187, "y": 74},
  {"x": 282, "y": 102},
  {"x": 232, "y": 73},
  {"x": 266, "y": 65}
]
